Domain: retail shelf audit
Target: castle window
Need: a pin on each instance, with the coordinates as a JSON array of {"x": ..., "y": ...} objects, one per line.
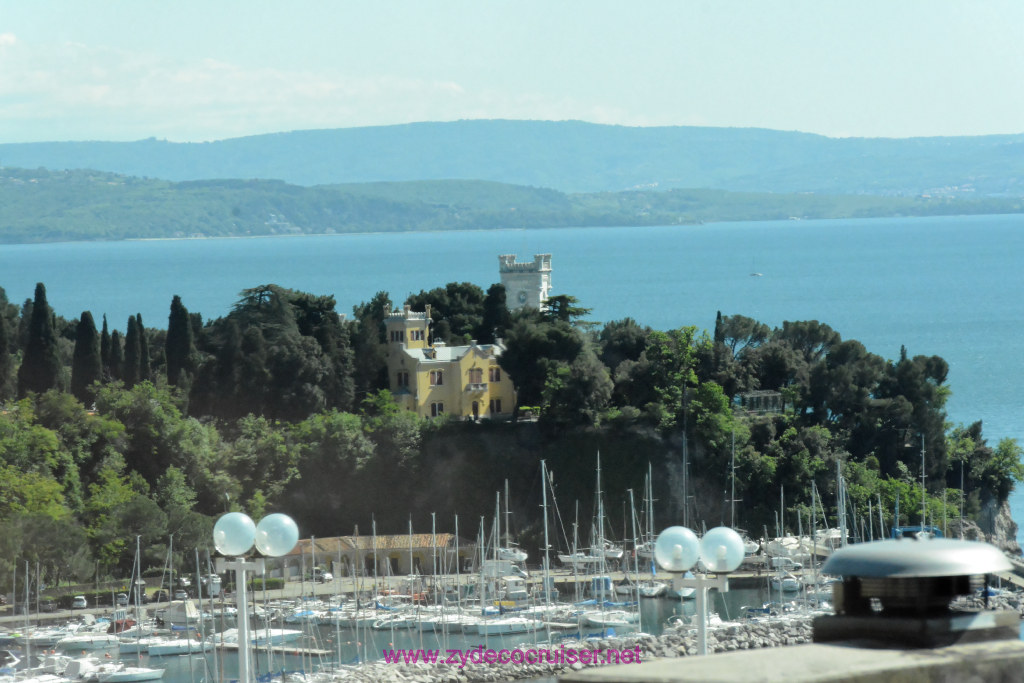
[
  {"x": 436, "y": 378},
  {"x": 494, "y": 374},
  {"x": 403, "y": 378},
  {"x": 436, "y": 409},
  {"x": 476, "y": 376},
  {"x": 416, "y": 335},
  {"x": 495, "y": 406},
  {"x": 398, "y": 335}
]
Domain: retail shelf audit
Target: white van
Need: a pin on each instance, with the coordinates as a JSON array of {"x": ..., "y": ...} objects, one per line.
[{"x": 785, "y": 564}]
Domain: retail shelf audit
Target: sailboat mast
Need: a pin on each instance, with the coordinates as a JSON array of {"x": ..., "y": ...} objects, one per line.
[
  {"x": 924, "y": 491},
  {"x": 686, "y": 479},
  {"x": 732, "y": 496},
  {"x": 497, "y": 525},
  {"x": 547, "y": 571},
  {"x": 636, "y": 558},
  {"x": 841, "y": 504},
  {"x": 508, "y": 527},
  {"x": 600, "y": 518}
]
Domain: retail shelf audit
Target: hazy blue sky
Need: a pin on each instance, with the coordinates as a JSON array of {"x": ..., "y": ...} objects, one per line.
[{"x": 212, "y": 69}]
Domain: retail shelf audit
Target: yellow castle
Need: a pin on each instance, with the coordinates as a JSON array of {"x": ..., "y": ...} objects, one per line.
[{"x": 436, "y": 379}]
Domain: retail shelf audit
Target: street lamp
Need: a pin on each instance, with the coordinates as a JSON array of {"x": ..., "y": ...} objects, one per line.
[
  {"x": 721, "y": 550},
  {"x": 234, "y": 535}
]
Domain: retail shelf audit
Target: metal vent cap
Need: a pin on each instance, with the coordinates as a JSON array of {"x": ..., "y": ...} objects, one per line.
[{"x": 917, "y": 557}]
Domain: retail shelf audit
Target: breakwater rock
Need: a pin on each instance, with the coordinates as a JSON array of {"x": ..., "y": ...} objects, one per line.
[{"x": 552, "y": 660}]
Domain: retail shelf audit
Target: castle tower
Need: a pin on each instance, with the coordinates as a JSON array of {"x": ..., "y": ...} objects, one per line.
[
  {"x": 408, "y": 329},
  {"x": 526, "y": 284}
]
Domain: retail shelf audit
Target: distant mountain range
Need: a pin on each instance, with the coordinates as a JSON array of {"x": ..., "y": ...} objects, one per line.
[{"x": 570, "y": 156}]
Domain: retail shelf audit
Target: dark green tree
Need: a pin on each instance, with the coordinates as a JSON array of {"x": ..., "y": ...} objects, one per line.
[
  {"x": 368, "y": 337},
  {"x": 132, "y": 354},
  {"x": 144, "y": 360},
  {"x": 105, "y": 347},
  {"x": 40, "y": 365},
  {"x": 456, "y": 310},
  {"x": 116, "y": 366},
  {"x": 86, "y": 364},
  {"x": 180, "y": 347},
  {"x": 495, "y": 318},
  {"x": 535, "y": 346},
  {"x": 24, "y": 323},
  {"x": 7, "y": 378},
  {"x": 564, "y": 308}
]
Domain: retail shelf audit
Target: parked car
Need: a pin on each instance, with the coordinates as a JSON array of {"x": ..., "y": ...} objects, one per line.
[
  {"x": 121, "y": 599},
  {"x": 48, "y": 606},
  {"x": 161, "y": 596},
  {"x": 181, "y": 594},
  {"x": 321, "y": 576},
  {"x": 79, "y": 602}
]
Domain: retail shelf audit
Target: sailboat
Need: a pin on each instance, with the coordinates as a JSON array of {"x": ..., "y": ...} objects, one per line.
[
  {"x": 646, "y": 548},
  {"x": 509, "y": 551}
]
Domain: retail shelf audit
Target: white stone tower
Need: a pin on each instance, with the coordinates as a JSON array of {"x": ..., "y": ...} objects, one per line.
[{"x": 526, "y": 284}]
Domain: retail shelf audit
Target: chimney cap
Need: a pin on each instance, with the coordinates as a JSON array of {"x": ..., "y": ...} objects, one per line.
[{"x": 917, "y": 557}]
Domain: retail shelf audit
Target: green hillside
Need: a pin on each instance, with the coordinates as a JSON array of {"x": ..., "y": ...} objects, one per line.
[
  {"x": 569, "y": 156},
  {"x": 44, "y": 206}
]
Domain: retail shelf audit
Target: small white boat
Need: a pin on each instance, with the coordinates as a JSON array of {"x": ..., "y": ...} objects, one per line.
[
  {"x": 178, "y": 646},
  {"x": 508, "y": 625},
  {"x": 131, "y": 674},
  {"x": 787, "y": 583},
  {"x": 397, "y": 621},
  {"x": 42, "y": 638},
  {"x": 609, "y": 551},
  {"x": 261, "y": 636},
  {"x": 82, "y": 668},
  {"x": 651, "y": 589},
  {"x": 578, "y": 559},
  {"x": 88, "y": 641},
  {"x": 512, "y": 553},
  {"x": 609, "y": 618},
  {"x": 138, "y": 644}
]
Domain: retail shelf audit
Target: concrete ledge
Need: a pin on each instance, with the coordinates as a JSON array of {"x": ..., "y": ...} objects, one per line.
[{"x": 851, "y": 662}]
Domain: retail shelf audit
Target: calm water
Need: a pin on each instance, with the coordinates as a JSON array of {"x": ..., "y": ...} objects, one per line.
[
  {"x": 946, "y": 286},
  {"x": 347, "y": 646}
]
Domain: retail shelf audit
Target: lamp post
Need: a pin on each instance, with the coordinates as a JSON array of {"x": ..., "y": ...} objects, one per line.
[
  {"x": 677, "y": 549},
  {"x": 234, "y": 535}
]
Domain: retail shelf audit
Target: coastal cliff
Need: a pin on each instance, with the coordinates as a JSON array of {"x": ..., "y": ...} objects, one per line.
[{"x": 997, "y": 527}]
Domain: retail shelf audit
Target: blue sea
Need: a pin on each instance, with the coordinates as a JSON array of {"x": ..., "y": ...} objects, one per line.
[{"x": 950, "y": 286}]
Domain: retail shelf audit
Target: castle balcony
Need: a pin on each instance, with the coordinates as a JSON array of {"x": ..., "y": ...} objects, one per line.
[{"x": 476, "y": 387}]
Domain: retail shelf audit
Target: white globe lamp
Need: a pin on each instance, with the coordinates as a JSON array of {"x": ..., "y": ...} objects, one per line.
[
  {"x": 676, "y": 549},
  {"x": 276, "y": 535},
  {"x": 721, "y": 550},
  {"x": 234, "y": 534}
]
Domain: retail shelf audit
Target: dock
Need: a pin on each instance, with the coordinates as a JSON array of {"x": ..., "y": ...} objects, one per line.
[{"x": 283, "y": 649}]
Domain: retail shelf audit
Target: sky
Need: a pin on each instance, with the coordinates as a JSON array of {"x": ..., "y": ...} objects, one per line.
[{"x": 199, "y": 70}]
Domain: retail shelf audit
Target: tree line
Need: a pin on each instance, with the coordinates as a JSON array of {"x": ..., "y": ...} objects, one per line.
[{"x": 282, "y": 404}]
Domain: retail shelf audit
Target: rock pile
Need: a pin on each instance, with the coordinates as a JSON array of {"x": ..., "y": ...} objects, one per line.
[{"x": 740, "y": 636}]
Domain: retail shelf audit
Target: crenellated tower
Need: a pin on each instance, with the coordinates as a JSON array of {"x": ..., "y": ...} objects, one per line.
[{"x": 526, "y": 284}]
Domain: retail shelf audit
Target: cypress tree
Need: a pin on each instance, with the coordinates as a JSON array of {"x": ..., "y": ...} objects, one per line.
[
  {"x": 116, "y": 356},
  {"x": 105, "y": 347},
  {"x": 179, "y": 345},
  {"x": 24, "y": 322},
  {"x": 40, "y": 365},
  {"x": 132, "y": 351},
  {"x": 86, "y": 363},
  {"x": 144, "y": 369},
  {"x": 6, "y": 361},
  {"x": 496, "y": 318}
]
